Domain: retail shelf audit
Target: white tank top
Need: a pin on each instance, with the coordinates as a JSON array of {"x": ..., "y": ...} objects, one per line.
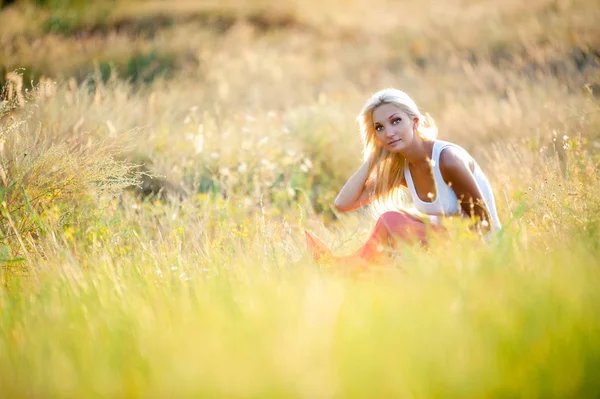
[{"x": 446, "y": 202}]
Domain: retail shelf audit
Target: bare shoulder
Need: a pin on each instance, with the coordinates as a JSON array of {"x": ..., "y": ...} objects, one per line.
[{"x": 454, "y": 162}]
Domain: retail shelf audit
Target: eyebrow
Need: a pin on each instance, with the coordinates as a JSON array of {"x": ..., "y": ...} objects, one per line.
[{"x": 390, "y": 117}]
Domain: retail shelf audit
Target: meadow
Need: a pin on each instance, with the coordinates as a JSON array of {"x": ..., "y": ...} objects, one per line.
[{"x": 159, "y": 162}]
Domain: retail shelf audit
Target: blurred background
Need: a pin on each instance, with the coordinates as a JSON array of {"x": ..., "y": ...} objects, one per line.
[
  {"x": 160, "y": 160},
  {"x": 221, "y": 86}
]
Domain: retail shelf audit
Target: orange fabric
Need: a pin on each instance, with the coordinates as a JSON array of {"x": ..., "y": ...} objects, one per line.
[{"x": 390, "y": 228}]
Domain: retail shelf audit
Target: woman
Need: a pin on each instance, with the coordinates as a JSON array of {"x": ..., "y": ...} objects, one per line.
[{"x": 400, "y": 151}]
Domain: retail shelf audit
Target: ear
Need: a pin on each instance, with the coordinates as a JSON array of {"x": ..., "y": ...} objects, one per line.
[{"x": 415, "y": 122}]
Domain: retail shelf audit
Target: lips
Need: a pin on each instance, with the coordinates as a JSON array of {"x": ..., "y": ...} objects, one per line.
[{"x": 394, "y": 142}]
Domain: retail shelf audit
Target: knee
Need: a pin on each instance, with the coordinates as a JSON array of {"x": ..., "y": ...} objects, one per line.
[
  {"x": 393, "y": 216},
  {"x": 391, "y": 220}
]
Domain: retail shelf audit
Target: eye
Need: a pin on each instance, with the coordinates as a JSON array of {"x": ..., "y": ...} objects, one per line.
[
  {"x": 395, "y": 121},
  {"x": 378, "y": 128}
]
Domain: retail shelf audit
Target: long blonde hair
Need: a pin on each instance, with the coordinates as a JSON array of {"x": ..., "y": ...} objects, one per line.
[{"x": 387, "y": 169}]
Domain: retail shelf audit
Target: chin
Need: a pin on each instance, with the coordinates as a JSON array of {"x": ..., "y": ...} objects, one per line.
[{"x": 396, "y": 149}]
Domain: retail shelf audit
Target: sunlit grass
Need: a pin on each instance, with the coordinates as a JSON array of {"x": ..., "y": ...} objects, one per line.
[
  {"x": 208, "y": 291},
  {"x": 172, "y": 317}
]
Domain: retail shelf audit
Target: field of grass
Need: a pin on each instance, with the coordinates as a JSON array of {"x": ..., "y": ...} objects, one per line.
[{"x": 236, "y": 121}]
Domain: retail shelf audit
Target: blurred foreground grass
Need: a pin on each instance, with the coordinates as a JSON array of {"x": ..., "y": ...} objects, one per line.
[
  {"x": 199, "y": 285},
  {"x": 248, "y": 323}
]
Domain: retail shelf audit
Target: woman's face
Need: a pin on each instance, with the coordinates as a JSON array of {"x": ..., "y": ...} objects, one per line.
[{"x": 394, "y": 128}]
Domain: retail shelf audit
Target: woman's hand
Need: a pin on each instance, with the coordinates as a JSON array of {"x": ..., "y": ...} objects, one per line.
[{"x": 357, "y": 192}]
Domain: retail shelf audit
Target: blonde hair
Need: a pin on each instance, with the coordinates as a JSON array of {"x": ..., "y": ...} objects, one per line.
[{"x": 385, "y": 168}]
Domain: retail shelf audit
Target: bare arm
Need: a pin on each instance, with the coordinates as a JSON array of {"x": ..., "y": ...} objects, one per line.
[
  {"x": 356, "y": 192},
  {"x": 457, "y": 173}
]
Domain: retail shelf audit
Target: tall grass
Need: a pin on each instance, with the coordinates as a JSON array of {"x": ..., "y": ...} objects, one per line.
[
  {"x": 49, "y": 177},
  {"x": 212, "y": 294}
]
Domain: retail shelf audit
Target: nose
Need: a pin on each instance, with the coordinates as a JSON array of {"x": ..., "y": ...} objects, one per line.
[{"x": 390, "y": 131}]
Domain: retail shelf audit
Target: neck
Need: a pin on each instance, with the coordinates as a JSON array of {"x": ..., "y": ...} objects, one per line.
[{"x": 419, "y": 152}]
